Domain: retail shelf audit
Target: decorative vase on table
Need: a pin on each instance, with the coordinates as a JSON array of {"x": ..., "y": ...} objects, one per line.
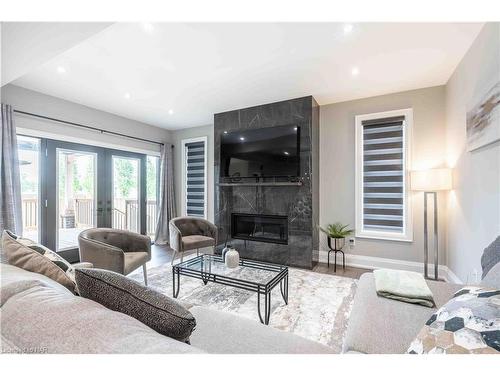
[
  {"x": 232, "y": 258},
  {"x": 224, "y": 252}
]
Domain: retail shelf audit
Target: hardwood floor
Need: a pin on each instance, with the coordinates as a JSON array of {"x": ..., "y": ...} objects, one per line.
[{"x": 161, "y": 254}]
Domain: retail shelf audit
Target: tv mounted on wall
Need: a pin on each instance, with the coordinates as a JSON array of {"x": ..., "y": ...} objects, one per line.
[{"x": 264, "y": 152}]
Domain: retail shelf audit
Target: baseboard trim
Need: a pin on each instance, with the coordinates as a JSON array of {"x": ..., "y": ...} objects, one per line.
[{"x": 363, "y": 261}]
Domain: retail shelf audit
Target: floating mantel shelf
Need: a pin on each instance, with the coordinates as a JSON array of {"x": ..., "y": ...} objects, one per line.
[{"x": 297, "y": 183}]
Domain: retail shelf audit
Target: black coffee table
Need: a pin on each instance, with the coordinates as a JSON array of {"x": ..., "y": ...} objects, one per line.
[{"x": 252, "y": 275}]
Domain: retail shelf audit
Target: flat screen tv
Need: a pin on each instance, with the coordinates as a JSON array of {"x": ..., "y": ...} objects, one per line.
[{"x": 265, "y": 152}]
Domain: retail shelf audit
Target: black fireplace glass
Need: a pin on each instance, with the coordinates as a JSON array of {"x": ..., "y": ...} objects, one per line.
[{"x": 262, "y": 228}]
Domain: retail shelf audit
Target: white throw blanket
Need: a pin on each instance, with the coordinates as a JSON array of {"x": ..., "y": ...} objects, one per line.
[{"x": 403, "y": 286}]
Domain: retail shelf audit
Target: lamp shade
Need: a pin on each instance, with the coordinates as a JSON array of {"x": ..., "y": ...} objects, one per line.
[{"x": 431, "y": 179}]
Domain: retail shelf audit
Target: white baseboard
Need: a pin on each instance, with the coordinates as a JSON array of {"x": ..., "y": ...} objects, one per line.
[{"x": 363, "y": 261}]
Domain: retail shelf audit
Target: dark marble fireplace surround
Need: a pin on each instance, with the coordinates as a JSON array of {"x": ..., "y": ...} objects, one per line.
[{"x": 297, "y": 201}]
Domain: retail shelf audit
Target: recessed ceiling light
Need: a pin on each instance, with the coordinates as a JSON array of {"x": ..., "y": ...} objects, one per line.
[
  {"x": 225, "y": 131},
  {"x": 347, "y": 28},
  {"x": 126, "y": 95},
  {"x": 295, "y": 128},
  {"x": 286, "y": 153},
  {"x": 148, "y": 27},
  {"x": 170, "y": 111},
  {"x": 355, "y": 71},
  {"x": 242, "y": 138},
  {"x": 61, "y": 69}
]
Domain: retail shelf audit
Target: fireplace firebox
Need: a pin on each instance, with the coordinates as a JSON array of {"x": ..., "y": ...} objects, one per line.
[{"x": 262, "y": 228}]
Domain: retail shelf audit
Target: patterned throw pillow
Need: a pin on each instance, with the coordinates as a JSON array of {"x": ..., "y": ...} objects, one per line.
[
  {"x": 119, "y": 293},
  {"x": 33, "y": 257},
  {"x": 468, "y": 323}
]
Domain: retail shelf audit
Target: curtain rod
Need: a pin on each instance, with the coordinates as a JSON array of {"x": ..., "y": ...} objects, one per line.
[{"x": 87, "y": 127}]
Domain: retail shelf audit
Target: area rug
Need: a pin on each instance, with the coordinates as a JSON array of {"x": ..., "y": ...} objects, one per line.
[{"x": 318, "y": 304}]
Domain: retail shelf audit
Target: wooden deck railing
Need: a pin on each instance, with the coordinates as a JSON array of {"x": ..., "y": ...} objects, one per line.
[
  {"x": 30, "y": 213},
  {"x": 125, "y": 214}
]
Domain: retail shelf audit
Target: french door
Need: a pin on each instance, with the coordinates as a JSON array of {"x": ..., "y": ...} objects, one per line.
[{"x": 88, "y": 187}]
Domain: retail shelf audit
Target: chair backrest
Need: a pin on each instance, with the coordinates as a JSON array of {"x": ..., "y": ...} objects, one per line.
[
  {"x": 110, "y": 236},
  {"x": 189, "y": 226}
]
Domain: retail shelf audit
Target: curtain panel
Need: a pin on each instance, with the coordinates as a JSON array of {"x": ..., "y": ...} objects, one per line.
[
  {"x": 166, "y": 210},
  {"x": 10, "y": 182}
]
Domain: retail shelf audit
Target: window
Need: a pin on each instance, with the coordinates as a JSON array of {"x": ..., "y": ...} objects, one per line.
[
  {"x": 28, "y": 150},
  {"x": 194, "y": 181},
  {"x": 382, "y": 169}
]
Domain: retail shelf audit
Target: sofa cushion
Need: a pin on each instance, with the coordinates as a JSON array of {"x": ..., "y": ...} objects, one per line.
[
  {"x": 196, "y": 242},
  {"x": 381, "y": 325},
  {"x": 225, "y": 333},
  {"x": 119, "y": 293},
  {"x": 34, "y": 257},
  {"x": 14, "y": 275},
  {"x": 42, "y": 317},
  {"x": 468, "y": 323}
]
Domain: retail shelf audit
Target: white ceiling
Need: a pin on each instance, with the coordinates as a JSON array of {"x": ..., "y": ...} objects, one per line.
[
  {"x": 143, "y": 71},
  {"x": 27, "y": 45}
]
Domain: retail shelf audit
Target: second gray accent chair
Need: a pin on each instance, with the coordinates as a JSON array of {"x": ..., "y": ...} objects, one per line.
[
  {"x": 115, "y": 250},
  {"x": 191, "y": 233}
]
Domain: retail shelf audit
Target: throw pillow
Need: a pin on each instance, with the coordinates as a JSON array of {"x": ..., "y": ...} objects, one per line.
[
  {"x": 119, "y": 293},
  {"x": 468, "y": 323},
  {"x": 491, "y": 256},
  {"x": 492, "y": 278},
  {"x": 31, "y": 256}
]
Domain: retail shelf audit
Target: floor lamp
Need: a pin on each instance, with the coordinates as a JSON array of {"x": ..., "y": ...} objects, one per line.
[{"x": 431, "y": 181}]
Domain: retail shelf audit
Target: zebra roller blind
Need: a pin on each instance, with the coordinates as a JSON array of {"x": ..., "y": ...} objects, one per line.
[
  {"x": 384, "y": 174},
  {"x": 195, "y": 178}
]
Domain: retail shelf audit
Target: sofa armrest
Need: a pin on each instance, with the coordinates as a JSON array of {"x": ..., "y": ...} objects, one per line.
[
  {"x": 101, "y": 255},
  {"x": 379, "y": 325}
]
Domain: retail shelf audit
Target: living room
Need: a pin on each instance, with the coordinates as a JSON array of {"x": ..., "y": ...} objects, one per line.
[{"x": 250, "y": 187}]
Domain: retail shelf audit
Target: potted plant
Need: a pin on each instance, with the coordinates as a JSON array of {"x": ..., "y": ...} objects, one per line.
[{"x": 338, "y": 232}]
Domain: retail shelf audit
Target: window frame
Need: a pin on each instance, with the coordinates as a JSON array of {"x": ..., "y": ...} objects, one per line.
[
  {"x": 407, "y": 234},
  {"x": 184, "y": 142}
]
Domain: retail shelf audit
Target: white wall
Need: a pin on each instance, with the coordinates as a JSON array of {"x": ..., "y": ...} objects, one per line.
[
  {"x": 337, "y": 165},
  {"x": 41, "y": 104},
  {"x": 474, "y": 204},
  {"x": 178, "y": 136}
]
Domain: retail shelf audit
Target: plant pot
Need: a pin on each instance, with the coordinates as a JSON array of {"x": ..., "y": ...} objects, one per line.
[{"x": 336, "y": 243}]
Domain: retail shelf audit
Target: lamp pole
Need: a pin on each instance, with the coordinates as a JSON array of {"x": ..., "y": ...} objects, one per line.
[{"x": 426, "y": 236}]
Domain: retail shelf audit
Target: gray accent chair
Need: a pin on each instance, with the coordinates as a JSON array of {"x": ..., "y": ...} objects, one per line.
[
  {"x": 115, "y": 250},
  {"x": 191, "y": 233}
]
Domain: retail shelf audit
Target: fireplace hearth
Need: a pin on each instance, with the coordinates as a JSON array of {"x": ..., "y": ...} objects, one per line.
[{"x": 262, "y": 228}]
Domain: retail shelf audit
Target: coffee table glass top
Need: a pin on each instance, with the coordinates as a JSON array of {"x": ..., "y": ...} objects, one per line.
[{"x": 249, "y": 270}]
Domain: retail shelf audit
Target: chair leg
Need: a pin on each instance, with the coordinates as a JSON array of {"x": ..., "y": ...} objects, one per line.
[
  {"x": 182, "y": 256},
  {"x": 197, "y": 252},
  {"x": 173, "y": 257},
  {"x": 145, "y": 274}
]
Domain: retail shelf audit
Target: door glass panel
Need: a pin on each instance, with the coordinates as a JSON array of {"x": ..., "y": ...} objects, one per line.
[
  {"x": 152, "y": 194},
  {"x": 29, "y": 163},
  {"x": 126, "y": 190},
  {"x": 76, "y": 195}
]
